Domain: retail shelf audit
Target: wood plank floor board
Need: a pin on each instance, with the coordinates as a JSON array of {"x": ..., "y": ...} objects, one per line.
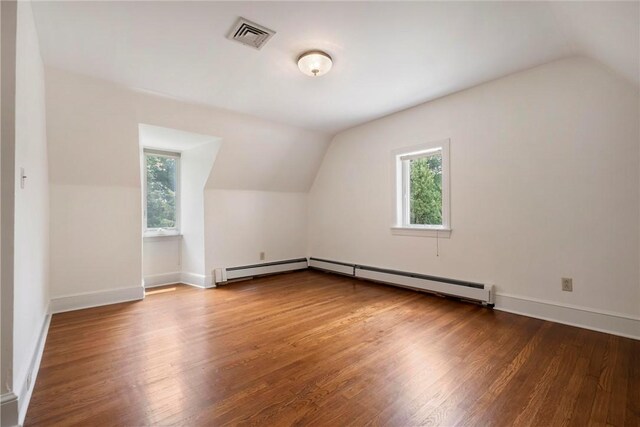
[
  {"x": 617, "y": 405},
  {"x": 526, "y": 400},
  {"x": 455, "y": 404},
  {"x": 587, "y": 393},
  {"x": 310, "y": 348},
  {"x": 480, "y": 357},
  {"x": 563, "y": 392},
  {"x": 632, "y": 414}
]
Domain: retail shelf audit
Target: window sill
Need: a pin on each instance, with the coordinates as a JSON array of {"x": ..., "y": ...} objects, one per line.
[
  {"x": 161, "y": 237},
  {"x": 444, "y": 233}
]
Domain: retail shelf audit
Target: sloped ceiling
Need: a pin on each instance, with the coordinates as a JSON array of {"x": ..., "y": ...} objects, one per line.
[
  {"x": 388, "y": 56},
  {"x": 606, "y": 31},
  {"x": 90, "y": 120}
]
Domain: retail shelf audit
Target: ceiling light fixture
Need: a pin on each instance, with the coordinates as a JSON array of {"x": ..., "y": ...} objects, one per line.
[{"x": 315, "y": 63}]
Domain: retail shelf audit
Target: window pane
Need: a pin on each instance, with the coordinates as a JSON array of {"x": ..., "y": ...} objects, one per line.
[
  {"x": 425, "y": 181},
  {"x": 161, "y": 191}
]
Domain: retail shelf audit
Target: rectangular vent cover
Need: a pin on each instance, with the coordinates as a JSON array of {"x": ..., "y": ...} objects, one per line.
[{"x": 250, "y": 34}]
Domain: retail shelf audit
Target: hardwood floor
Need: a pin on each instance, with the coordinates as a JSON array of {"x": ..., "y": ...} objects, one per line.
[{"x": 311, "y": 348}]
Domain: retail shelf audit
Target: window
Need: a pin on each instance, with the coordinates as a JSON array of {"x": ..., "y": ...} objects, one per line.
[
  {"x": 162, "y": 192},
  {"x": 422, "y": 189}
]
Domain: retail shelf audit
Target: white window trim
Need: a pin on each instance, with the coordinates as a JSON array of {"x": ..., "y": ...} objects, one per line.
[
  {"x": 169, "y": 231},
  {"x": 400, "y": 201},
  {"x": 162, "y": 238}
]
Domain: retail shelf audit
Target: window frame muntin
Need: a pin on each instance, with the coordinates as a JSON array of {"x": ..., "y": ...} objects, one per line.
[{"x": 163, "y": 231}]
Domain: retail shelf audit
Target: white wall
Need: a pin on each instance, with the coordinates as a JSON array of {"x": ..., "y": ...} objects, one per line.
[
  {"x": 95, "y": 238},
  {"x": 31, "y": 280},
  {"x": 96, "y": 214},
  {"x": 544, "y": 185},
  {"x": 162, "y": 261},
  {"x": 95, "y": 187},
  {"x": 241, "y": 224},
  {"x": 8, "y": 18},
  {"x": 196, "y": 166}
]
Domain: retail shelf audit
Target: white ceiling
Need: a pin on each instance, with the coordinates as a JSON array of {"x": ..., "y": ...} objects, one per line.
[{"x": 388, "y": 56}]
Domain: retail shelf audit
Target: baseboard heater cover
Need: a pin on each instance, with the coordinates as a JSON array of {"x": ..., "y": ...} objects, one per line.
[
  {"x": 266, "y": 268},
  {"x": 332, "y": 266},
  {"x": 451, "y": 287},
  {"x": 441, "y": 285}
]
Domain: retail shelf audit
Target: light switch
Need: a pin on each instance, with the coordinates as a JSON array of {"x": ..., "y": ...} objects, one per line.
[{"x": 23, "y": 177}]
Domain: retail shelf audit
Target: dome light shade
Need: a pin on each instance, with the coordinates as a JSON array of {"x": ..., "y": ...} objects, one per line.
[{"x": 314, "y": 63}]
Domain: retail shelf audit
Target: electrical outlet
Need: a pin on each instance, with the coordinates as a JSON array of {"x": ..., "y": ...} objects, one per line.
[
  {"x": 262, "y": 256},
  {"x": 29, "y": 382},
  {"x": 567, "y": 284}
]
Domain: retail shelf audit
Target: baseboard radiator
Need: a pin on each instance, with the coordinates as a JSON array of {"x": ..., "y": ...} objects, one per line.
[
  {"x": 480, "y": 292},
  {"x": 246, "y": 271}
]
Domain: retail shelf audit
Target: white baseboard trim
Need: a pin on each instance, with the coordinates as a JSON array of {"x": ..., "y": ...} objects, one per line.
[
  {"x": 27, "y": 388},
  {"x": 582, "y": 317},
  {"x": 95, "y": 299},
  {"x": 197, "y": 280},
  {"x": 13, "y": 407},
  {"x": 9, "y": 410},
  {"x": 154, "y": 280}
]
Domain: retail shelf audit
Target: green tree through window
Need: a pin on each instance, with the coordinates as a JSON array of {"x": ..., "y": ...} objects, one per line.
[
  {"x": 161, "y": 191},
  {"x": 425, "y": 206}
]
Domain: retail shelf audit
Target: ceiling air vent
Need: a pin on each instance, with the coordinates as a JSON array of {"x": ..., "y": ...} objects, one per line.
[{"x": 250, "y": 33}]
